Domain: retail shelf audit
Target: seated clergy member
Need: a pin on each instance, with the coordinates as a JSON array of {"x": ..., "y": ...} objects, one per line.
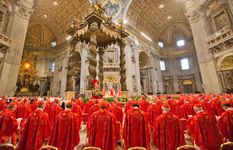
[
  {"x": 203, "y": 130},
  {"x": 136, "y": 133},
  {"x": 225, "y": 122},
  {"x": 65, "y": 133},
  {"x": 168, "y": 134},
  {"x": 36, "y": 130},
  {"x": 102, "y": 129},
  {"x": 8, "y": 123}
]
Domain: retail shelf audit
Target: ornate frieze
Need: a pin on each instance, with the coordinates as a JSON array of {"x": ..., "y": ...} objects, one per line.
[{"x": 24, "y": 8}]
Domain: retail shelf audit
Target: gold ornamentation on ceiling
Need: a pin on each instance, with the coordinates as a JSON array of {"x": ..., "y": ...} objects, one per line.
[{"x": 227, "y": 63}]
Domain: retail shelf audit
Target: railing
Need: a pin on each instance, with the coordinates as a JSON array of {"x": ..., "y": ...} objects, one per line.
[
  {"x": 218, "y": 39},
  {"x": 4, "y": 40},
  {"x": 220, "y": 35}
]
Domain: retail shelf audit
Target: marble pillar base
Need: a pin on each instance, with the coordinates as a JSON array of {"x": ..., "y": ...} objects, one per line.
[{"x": 69, "y": 95}]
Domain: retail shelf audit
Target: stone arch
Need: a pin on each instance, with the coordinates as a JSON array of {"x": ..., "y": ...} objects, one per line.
[
  {"x": 144, "y": 60},
  {"x": 221, "y": 59},
  {"x": 146, "y": 69}
]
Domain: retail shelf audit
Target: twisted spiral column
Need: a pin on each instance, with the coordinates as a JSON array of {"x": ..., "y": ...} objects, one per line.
[
  {"x": 92, "y": 59},
  {"x": 101, "y": 67},
  {"x": 122, "y": 66}
]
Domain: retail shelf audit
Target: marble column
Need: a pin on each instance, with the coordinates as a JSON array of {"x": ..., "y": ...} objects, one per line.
[
  {"x": 92, "y": 56},
  {"x": 209, "y": 75},
  {"x": 17, "y": 34},
  {"x": 122, "y": 66},
  {"x": 101, "y": 67}
]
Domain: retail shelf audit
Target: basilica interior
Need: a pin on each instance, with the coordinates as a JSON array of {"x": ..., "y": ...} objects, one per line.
[{"x": 49, "y": 47}]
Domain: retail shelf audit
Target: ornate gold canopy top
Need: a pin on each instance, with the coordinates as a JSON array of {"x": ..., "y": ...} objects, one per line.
[{"x": 105, "y": 30}]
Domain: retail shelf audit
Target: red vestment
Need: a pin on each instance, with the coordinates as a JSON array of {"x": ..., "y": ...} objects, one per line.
[
  {"x": 168, "y": 134},
  {"x": 204, "y": 131},
  {"x": 216, "y": 106},
  {"x": 153, "y": 112},
  {"x": 185, "y": 110},
  {"x": 23, "y": 110},
  {"x": 8, "y": 123},
  {"x": 78, "y": 111},
  {"x": 86, "y": 110},
  {"x": 128, "y": 105},
  {"x": 173, "y": 107},
  {"x": 80, "y": 103},
  {"x": 53, "y": 111},
  {"x": 225, "y": 124},
  {"x": 117, "y": 112},
  {"x": 102, "y": 130},
  {"x": 65, "y": 134},
  {"x": 144, "y": 104},
  {"x": 35, "y": 132},
  {"x": 34, "y": 105},
  {"x": 136, "y": 132},
  {"x": 3, "y": 105}
]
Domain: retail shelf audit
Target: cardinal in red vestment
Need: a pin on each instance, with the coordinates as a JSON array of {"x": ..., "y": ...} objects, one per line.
[
  {"x": 80, "y": 102},
  {"x": 23, "y": 109},
  {"x": 168, "y": 134},
  {"x": 117, "y": 112},
  {"x": 225, "y": 122},
  {"x": 102, "y": 129},
  {"x": 136, "y": 132},
  {"x": 203, "y": 130},
  {"x": 144, "y": 104},
  {"x": 173, "y": 106},
  {"x": 53, "y": 110},
  {"x": 86, "y": 111},
  {"x": 186, "y": 110},
  {"x": 153, "y": 112},
  {"x": 8, "y": 123},
  {"x": 36, "y": 130},
  {"x": 65, "y": 134},
  {"x": 215, "y": 104}
]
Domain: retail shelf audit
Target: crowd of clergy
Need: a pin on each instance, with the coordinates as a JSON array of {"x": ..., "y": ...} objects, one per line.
[{"x": 166, "y": 122}]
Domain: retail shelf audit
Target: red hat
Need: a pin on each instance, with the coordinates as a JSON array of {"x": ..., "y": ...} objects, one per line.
[
  {"x": 56, "y": 100},
  {"x": 12, "y": 104},
  {"x": 197, "y": 105},
  {"x": 94, "y": 82},
  {"x": 103, "y": 104},
  {"x": 165, "y": 105},
  {"x": 69, "y": 104},
  {"x": 226, "y": 102},
  {"x": 40, "y": 103}
]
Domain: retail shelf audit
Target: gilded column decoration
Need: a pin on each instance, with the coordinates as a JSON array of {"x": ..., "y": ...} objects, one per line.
[
  {"x": 122, "y": 66},
  {"x": 101, "y": 67},
  {"x": 92, "y": 55}
]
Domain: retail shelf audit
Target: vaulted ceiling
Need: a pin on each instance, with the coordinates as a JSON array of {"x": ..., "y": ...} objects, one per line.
[
  {"x": 152, "y": 16},
  {"x": 148, "y": 16},
  {"x": 58, "y": 14}
]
